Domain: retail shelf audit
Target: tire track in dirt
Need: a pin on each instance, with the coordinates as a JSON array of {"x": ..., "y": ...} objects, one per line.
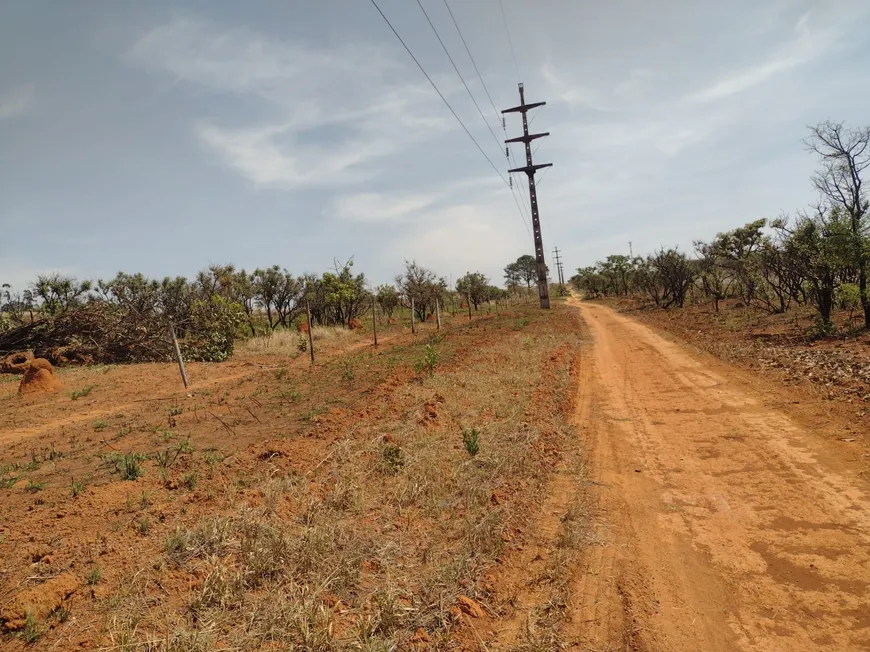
[{"x": 729, "y": 525}]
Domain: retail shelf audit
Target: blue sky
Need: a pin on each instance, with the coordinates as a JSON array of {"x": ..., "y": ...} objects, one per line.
[{"x": 163, "y": 136}]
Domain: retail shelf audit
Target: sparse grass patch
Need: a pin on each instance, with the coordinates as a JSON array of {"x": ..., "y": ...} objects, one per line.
[
  {"x": 32, "y": 631},
  {"x": 128, "y": 465},
  {"x": 190, "y": 480},
  {"x": 77, "y": 487},
  {"x": 94, "y": 576},
  {"x": 81, "y": 393},
  {"x": 33, "y": 486}
]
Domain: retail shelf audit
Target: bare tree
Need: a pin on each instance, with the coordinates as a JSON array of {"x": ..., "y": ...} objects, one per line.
[{"x": 844, "y": 155}]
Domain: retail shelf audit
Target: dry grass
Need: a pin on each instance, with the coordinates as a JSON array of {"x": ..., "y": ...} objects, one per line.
[
  {"x": 381, "y": 532},
  {"x": 287, "y": 342}
]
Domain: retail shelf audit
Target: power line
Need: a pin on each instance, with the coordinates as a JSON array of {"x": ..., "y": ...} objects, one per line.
[
  {"x": 440, "y": 94},
  {"x": 523, "y": 208},
  {"x": 473, "y": 63},
  {"x": 543, "y": 175},
  {"x": 447, "y": 104},
  {"x": 461, "y": 78},
  {"x": 510, "y": 41}
]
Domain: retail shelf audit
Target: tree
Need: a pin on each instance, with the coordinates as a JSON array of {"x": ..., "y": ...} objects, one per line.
[
  {"x": 736, "y": 251},
  {"x": 844, "y": 155},
  {"x": 388, "y": 299},
  {"x": 618, "y": 270},
  {"x": 715, "y": 280},
  {"x": 341, "y": 296},
  {"x": 667, "y": 276},
  {"x": 423, "y": 286},
  {"x": 820, "y": 248},
  {"x": 279, "y": 293},
  {"x": 588, "y": 280},
  {"x": 513, "y": 276},
  {"x": 57, "y": 293},
  {"x": 245, "y": 293},
  {"x": 474, "y": 286},
  {"x": 528, "y": 269},
  {"x": 132, "y": 291}
]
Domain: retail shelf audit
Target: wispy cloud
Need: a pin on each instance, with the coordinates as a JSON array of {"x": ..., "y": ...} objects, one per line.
[
  {"x": 815, "y": 34},
  {"x": 371, "y": 207},
  {"x": 338, "y": 111},
  {"x": 572, "y": 93},
  {"x": 16, "y": 102}
]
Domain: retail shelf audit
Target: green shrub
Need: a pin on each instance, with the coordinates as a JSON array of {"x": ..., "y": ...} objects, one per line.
[
  {"x": 471, "y": 441},
  {"x": 212, "y": 329},
  {"x": 429, "y": 361}
]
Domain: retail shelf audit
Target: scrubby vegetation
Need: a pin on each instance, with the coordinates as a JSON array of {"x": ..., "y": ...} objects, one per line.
[{"x": 818, "y": 257}]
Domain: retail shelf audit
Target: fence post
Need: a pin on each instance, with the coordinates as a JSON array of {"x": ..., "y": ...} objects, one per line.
[
  {"x": 468, "y": 301},
  {"x": 178, "y": 355},
  {"x": 413, "y": 326},
  {"x": 374, "y": 320},
  {"x": 437, "y": 314},
  {"x": 310, "y": 333}
]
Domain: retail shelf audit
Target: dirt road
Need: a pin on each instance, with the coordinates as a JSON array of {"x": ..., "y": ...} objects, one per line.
[{"x": 729, "y": 526}]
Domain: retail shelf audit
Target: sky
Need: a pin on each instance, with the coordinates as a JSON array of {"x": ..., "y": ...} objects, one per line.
[{"x": 161, "y": 137}]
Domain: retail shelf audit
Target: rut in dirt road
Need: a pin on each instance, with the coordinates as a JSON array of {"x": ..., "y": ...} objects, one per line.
[{"x": 730, "y": 526}]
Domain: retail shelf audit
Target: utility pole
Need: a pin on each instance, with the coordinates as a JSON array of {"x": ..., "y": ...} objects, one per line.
[
  {"x": 530, "y": 169},
  {"x": 559, "y": 266}
]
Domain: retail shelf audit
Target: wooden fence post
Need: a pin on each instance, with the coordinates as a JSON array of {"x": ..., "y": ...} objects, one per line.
[
  {"x": 468, "y": 300},
  {"x": 310, "y": 333},
  {"x": 178, "y": 355},
  {"x": 413, "y": 326},
  {"x": 437, "y": 314}
]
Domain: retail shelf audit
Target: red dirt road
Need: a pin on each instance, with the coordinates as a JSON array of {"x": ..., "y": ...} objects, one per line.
[{"x": 728, "y": 524}]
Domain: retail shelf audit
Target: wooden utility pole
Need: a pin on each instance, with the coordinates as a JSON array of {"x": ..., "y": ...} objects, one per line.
[
  {"x": 310, "y": 331},
  {"x": 530, "y": 169},
  {"x": 178, "y": 355}
]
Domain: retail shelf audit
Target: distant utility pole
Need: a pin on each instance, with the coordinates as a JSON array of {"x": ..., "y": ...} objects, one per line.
[
  {"x": 530, "y": 169},
  {"x": 559, "y": 266}
]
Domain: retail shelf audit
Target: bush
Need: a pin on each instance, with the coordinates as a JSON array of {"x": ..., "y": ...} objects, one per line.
[{"x": 212, "y": 330}]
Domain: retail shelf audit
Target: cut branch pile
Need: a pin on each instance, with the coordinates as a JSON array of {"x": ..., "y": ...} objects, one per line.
[{"x": 97, "y": 333}]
